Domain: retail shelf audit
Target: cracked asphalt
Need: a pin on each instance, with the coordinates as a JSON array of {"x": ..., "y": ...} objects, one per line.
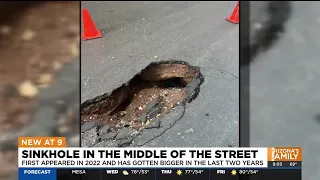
[
  {"x": 285, "y": 92},
  {"x": 195, "y": 32}
]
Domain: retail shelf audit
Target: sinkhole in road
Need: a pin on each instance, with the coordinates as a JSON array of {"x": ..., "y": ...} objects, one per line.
[{"x": 150, "y": 94}]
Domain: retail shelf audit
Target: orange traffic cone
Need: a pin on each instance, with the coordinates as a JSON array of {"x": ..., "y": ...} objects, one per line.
[
  {"x": 234, "y": 18},
  {"x": 89, "y": 28}
]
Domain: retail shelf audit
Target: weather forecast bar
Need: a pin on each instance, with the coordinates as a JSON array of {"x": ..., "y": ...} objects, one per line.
[{"x": 161, "y": 174}]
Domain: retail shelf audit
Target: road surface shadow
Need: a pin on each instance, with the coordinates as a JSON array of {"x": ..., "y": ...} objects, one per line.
[
  {"x": 317, "y": 118},
  {"x": 266, "y": 27}
]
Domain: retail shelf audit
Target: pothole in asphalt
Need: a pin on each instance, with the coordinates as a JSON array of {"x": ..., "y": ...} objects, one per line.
[{"x": 149, "y": 95}]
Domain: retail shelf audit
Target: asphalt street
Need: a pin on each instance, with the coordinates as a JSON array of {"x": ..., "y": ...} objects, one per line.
[
  {"x": 195, "y": 32},
  {"x": 285, "y": 92}
]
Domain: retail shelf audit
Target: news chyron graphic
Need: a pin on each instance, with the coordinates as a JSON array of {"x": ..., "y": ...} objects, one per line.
[{"x": 48, "y": 158}]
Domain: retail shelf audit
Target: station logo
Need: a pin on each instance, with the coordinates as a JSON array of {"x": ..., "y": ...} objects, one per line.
[{"x": 284, "y": 154}]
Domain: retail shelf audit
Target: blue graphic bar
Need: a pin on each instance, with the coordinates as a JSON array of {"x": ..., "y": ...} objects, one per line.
[
  {"x": 37, "y": 174},
  {"x": 156, "y": 174}
]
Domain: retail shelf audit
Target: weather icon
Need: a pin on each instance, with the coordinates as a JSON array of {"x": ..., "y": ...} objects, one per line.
[
  {"x": 179, "y": 172},
  {"x": 234, "y": 172},
  {"x": 125, "y": 173}
]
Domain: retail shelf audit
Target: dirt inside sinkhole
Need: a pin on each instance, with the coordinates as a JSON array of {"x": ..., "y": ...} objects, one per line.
[
  {"x": 37, "y": 38},
  {"x": 154, "y": 92}
]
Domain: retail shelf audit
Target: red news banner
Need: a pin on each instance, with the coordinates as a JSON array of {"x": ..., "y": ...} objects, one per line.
[{"x": 282, "y": 162}]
